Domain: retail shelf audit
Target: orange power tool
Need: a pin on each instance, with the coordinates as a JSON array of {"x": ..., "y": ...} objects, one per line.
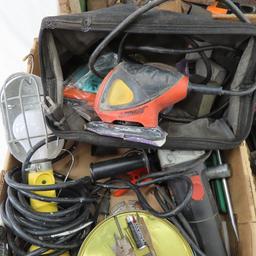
[
  {"x": 136, "y": 93},
  {"x": 131, "y": 97}
]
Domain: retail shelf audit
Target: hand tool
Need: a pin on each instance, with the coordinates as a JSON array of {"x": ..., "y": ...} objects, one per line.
[
  {"x": 133, "y": 95},
  {"x": 218, "y": 186},
  {"x": 201, "y": 212},
  {"x": 228, "y": 200},
  {"x": 122, "y": 246}
]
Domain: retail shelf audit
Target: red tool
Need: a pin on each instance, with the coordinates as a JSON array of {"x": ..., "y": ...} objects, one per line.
[
  {"x": 133, "y": 177},
  {"x": 137, "y": 93},
  {"x": 74, "y": 93},
  {"x": 131, "y": 97}
]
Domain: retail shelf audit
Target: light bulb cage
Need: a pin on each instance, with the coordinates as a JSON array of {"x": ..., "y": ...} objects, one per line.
[{"x": 22, "y": 92}]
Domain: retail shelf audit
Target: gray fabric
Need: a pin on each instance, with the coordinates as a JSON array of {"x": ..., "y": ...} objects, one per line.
[
  {"x": 56, "y": 68},
  {"x": 234, "y": 107},
  {"x": 75, "y": 36},
  {"x": 201, "y": 129}
]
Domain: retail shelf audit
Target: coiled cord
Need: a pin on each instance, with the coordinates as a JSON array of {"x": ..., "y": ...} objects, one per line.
[{"x": 59, "y": 231}]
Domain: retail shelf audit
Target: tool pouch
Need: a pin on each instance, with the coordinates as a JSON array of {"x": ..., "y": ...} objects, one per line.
[{"x": 67, "y": 41}]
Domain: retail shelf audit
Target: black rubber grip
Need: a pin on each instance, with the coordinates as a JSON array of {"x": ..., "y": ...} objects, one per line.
[{"x": 117, "y": 166}]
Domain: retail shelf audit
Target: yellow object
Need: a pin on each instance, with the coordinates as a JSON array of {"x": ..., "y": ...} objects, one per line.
[
  {"x": 33, "y": 248},
  {"x": 43, "y": 178},
  {"x": 119, "y": 94},
  {"x": 165, "y": 237}
]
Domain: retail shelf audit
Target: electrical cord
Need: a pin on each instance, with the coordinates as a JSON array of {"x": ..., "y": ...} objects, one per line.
[
  {"x": 220, "y": 91},
  {"x": 185, "y": 230},
  {"x": 168, "y": 51},
  {"x": 111, "y": 184},
  {"x": 121, "y": 48},
  {"x": 162, "y": 50},
  {"x": 66, "y": 153},
  {"x": 193, "y": 118},
  {"x": 164, "y": 200},
  {"x": 177, "y": 169},
  {"x": 132, "y": 17},
  {"x": 60, "y": 231},
  {"x": 205, "y": 59},
  {"x": 236, "y": 11},
  {"x": 116, "y": 31},
  {"x": 31, "y": 152}
]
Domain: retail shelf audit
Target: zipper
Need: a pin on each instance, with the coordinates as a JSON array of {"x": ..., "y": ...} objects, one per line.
[
  {"x": 173, "y": 142},
  {"x": 79, "y": 24},
  {"x": 89, "y": 23}
]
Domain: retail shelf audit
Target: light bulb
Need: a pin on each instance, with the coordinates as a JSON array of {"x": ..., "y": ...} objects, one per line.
[
  {"x": 36, "y": 132},
  {"x": 21, "y": 104}
]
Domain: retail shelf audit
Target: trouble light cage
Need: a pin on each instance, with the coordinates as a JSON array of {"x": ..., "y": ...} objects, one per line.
[{"x": 20, "y": 94}]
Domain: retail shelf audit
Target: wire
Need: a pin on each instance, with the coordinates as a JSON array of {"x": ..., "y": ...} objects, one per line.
[
  {"x": 121, "y": 48},
  {"x": 177, "y": 169},
  {"x": 116, "y": 31},
  {"x": 220, "y": 91},
  {"x": 60, "y": 231},
  {"x": 204, "y": 57},
  {"x": 70, "y": 167},
  {"x": 187, "y": 232},
  {"x": 65, "y": 153},
  {"x": 144, "y": 203},
  {"x": 161, "y": 50},
  {"x": 236, "y": 11},
  {"x": 193, "y": 118}
]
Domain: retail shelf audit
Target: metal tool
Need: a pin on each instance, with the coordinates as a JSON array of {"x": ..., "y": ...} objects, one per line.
[
  {"x": 228, "y": 199},
  {"x": 122, "y": 246}
]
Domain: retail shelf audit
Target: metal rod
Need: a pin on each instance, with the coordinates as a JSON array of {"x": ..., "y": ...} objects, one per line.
[
  {"x": 41, "y": 108},
  {"x": 228, "y": 200},
  {"x": 23, "y": 111},
  {"x": 119, "y": 227}
]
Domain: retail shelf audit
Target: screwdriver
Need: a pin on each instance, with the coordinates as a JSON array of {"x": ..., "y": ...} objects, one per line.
[{"x": 228, "y": 200}]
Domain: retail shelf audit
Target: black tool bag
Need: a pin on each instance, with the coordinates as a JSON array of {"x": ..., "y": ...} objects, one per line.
[{"x": 68, "y": 41}]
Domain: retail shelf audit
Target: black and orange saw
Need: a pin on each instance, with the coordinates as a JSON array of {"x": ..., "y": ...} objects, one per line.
[{"x": 131, "y": 97}]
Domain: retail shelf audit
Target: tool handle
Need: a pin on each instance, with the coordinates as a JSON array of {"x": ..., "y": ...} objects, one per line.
[{"x": 117, "y": 166}]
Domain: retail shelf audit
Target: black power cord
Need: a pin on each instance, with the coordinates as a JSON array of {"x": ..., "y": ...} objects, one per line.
[
  {"x": 179, "y": 221},
  {"x": 116, "y": 31},
  {"x": 132, "y": 17},
  {"x": 170, "y": 211},
  {"x": 236, "y": 11},
  {"x": 125, "y": 184},
  {"x": 162, "y": 50},
  {"x": 59, "y": 231}
]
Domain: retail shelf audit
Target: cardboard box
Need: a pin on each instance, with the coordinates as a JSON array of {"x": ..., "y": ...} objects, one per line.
[{"x": 241, "y": 184}]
